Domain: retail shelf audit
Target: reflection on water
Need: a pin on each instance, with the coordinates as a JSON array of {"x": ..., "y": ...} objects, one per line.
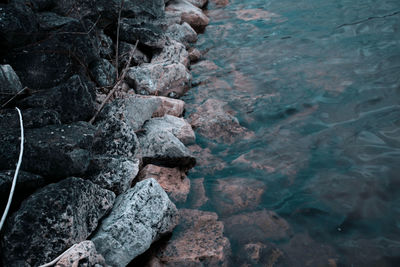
[{"x": 318, "y": 83}]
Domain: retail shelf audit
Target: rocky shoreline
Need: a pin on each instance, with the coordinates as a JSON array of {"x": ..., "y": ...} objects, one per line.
[{"x": 106, "y": 190}]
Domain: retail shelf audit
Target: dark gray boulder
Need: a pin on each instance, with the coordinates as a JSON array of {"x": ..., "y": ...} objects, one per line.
[
  {"x": 139, "y": 217},
  {"x": 74, "y": 100},
  {"x": 103, "y": 72},
  {"x": 52, "y": 219},
  {"x": 138, "y": 56},
  {"x": 55, "y": 151},
  {"x": 33, "y": 118},
  {"x": 10, "y": 84},
  {"x": 148, "y": 32},
  {"x": 51, "y": 21}
]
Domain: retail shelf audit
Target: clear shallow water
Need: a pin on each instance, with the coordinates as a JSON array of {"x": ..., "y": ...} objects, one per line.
[{"x": 318, "y": 82}]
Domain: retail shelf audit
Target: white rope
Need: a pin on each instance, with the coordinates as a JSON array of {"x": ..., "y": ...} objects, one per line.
[{"x": 21, "y": 151}]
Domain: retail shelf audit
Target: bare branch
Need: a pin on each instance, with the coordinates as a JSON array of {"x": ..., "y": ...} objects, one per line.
[
  {"x": 14, "y": 96},
  {"x": 117, "y": 47}
]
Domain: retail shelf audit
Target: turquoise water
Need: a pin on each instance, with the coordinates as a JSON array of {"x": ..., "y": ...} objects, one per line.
[{"x": 318, "y": 84}]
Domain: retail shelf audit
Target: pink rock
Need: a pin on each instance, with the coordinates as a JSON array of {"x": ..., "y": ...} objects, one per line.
[
  {"x": 172, "y": 52},
  {"x": 189, "y": 13},
  {"x": 172, "y": 180},
  {"x": 169, "y": 106},
  {"x": 237, "y": 194},
  {"x": 199, "y": 243},
  {"x": 206, "y": 162},
  {"x": 84, "y": 251},
  {"x": 198, "y": 193},
  {"x": 198, "y": 3},
  {"x": 255, "y": 14},
  {"x": 182, "y": 33},
  {"x": 213, "y": 122},
  {"x": 220, "y": 2},
  {"x": 194, "y": 54}
]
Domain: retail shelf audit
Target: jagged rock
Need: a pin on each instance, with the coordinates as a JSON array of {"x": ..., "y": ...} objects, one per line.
[
  {"x": 114, "y": 174},
  {"x": 148, "y": 32},
  {"x": 18, "y": 24},
  {"x": 27, "y": 183},
  {"x": 33, "y": 118},
  {"x": 206, "y": 162},
  {"x": 173, "y": 52},
  {"x": 172, "y": 180},
  {"x": 51, "y": 21},
  {"x": 55, "y": 151},
  {"x": 194, "y": 54},
  {"x": 74, "y": 100},
  {"x": 84, "y": 253},
  {"x": 198, "y": 3},
  {"x": 105, "y": 45},
  {"x": 198, "y": 193},
  {"x": 140, "y": 216},
  {"x": 160, "y": 79},
  {"x": 103, "y": 72},
  {"x": 212, "y": 121},
  {"x": 237, "y": 194},
  {"x": 163, "y": 148},
  {"x": 177, "y": 126},
  {"x": 189, "y": 13},
  {"x": 182, "y": 33},
  {"x": 52, "y": 219},
  {"x": 199, "y": 241},
  {"x": 10, "y": 84},
  {"x": 138, "y": 56},
  {"x": 168, "y": 106}
]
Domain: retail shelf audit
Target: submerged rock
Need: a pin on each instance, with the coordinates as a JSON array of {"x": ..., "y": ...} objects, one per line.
[
  {"x": 198, "y": 193},
  {"x": 52, "y": 219},
  {"x": 83, "y": 253},
  {"x": 191, "y": 14},
  {"x": 140, "y": 216},
  {"x": 172, "y": 180}
]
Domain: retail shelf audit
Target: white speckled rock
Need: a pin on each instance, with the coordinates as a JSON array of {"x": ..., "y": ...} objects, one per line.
[
  {"x": 139, "y": 217},
  {"x": 84, "y": 251},
  {"x": 173, "y": 52},
  {"x": 182, "y": 33},
  {"x": 189, "y": 13}
]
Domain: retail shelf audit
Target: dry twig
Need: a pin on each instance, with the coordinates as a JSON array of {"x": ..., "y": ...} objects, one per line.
[{"x": 117, "y": 47}]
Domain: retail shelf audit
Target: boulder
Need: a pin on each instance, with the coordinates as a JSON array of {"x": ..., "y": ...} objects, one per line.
[
  {"x": 163, "y": 148},
  {"x": 148, "y": 32},
  {"x": 105, "y": 45},
  {"x": 191, "y": 14},
  {"x": 54, "y": 151},
  {"x": 232, "y": 195},
  {"x": 179, "y": 127},
  {"x": 140, "y": 216},
  {"x": 168, "y": 106},
  {"x": 206, "y": 162},
  {"x": 84, "y": 253},
  {"x": 198, "y": 3},
  {"x": 103, "y": 72},
  {"x": 182, "y": 33},
  {"x": 113, "y": 173},
  {"x": 199, "y": 241},
  {"x": 53, "y": 219},
  {"x": 49, "y": 21},
  {"x": 138, "y": 57},
  {"x": 194, "y": 54},
  {"x": 10, "y": 84},
  {"x": 162, "y": 79},
  {"x": 173, "y": 52},
  {"x": 172, "y": 180},
  {"x": 32, "y": 117},
  {"x": 74, "y": 99},
  {"x": 212, "y": 121}
]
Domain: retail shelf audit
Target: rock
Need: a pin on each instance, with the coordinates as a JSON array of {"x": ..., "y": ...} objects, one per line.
[
  {"x": 18, "y": 24},
  {"x": 220, "y": 2},
  {"x": 148, "y": 32},
  {"x": 10, "y": 84},
  {"x": 198, "y": 193},
  {"x": 163, "y": 148},
  {"x": 194, "y": 16},
  {"x": 172, "y": 180},
  {"x": 54, "y": 151},
  {"x": 52, "y": 219},
  {"x": 103, "y": 72},
  {"x": 113, "y": 173},
  {"x": 206, "y": 162},
  {"x": 138, "y": 56},
  {"x": 198, "y": 3},
  {"x": 32, "y": 117},
  {"x": 140, "y": 216},
  {"x": 74, "y": 100},
  {"x": 27, "y": 183},
  {"x": 83, "y": 253},
  {"x": 173, "y": 52},
  {"x": 177, "y": 126},
  {"x": 212, "y": 121},
  {"x": 160, "y": 79},
  {"x": 182, "y": 33},
  {"x": 199, "y": 241},
  {"x": 253, "y": 251},
  {"x": 51, "y": 21},
  {"x": 194, "y": 55},
  {"x": 260, "y": 254},
  {"x": 256, "y": 226},
  {"x": 105, "y": 45},
  {"x": 237, "y": 194},
  {"x": 168, "y": 106}
]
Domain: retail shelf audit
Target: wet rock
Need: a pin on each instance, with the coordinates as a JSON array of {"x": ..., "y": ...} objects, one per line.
[
  {"x": 148, "y": 32},
  {"x": 198, "y": 3},
  {"x": 212, "y": 121},
  {"x": 10, "y": 84},
  {"x": 51, "y": 21},
  {"x": 138, "y": 57},
  {"x": 32, "y": 117},
  {"x": 55, "y": 151},
  {"x": 237, "y": 194},
  {"x": 256, "y": 226},
  {"x": 103, "y": 72},
  {"x": 27, "y": 183},
  {"x": 177, "y": 126},
  {"x": 52, "y": 219},
  {"x": 199, "y": 242},
  {"x": 206, "y": 162},
  {"x": 194, "y": 54},
  {"x": 182, "y": 33},
  {"x": 163, "y": 148},
  {"x": 113, "y": 173},
  {"x": 194, "y": 16},
  {"x": 140, "y": 216},
  {"x": 172, "y": 180},
  {"x": 18, "y": 24},
  {"x": 83, "y": 253},
  {"x": 74, "y": 100},
  {"x": 160, "y": 79},
  {"x": 260, "y": 254},
  {"x": 198, "y": 193},
  {"x": 220, "y": 2},
  {"x": 173, "y": 52},
  {"x": 253, "y": 251}
]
